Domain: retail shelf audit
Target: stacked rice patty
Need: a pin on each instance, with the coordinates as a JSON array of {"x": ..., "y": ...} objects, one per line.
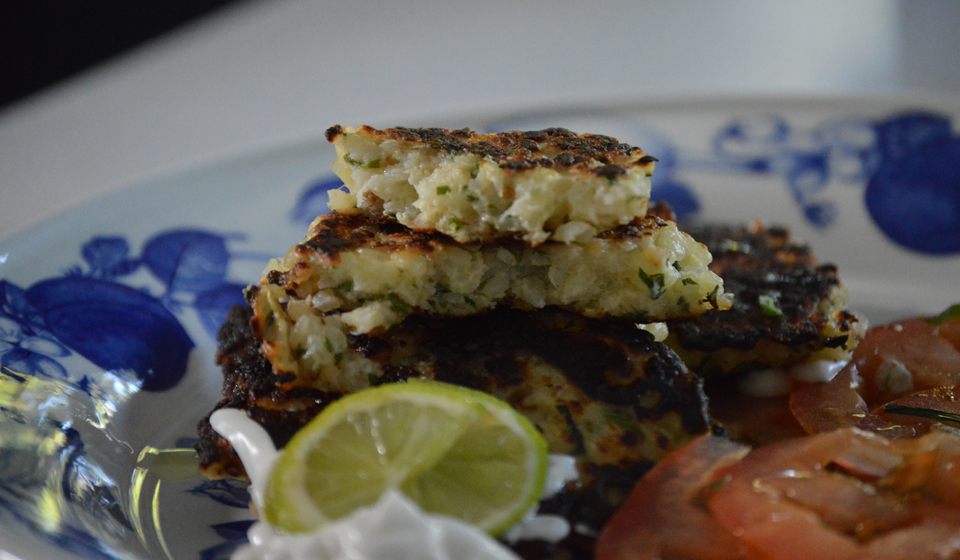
[{"x": 520, "y": 263}]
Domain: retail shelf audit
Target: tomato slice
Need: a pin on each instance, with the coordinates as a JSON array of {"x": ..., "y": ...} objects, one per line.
[
  {"x": 947, "y": 325},
  {"x": 664, "y": 517},
  {"x": 784, "y": 503},
  {"x": 905, "y": 357},
  {"x": 822, "y": 407},
  {"x": 846, "y": 494},
  {"x": 840, "y": 494},
  {"x": 890, "y": 363},
  {"x": 769, "y": 418}
]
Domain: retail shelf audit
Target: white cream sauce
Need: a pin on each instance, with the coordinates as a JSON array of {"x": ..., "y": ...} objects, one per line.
[
  {"x": 393, "y": 529},
  {"x": 817, "y": 371},
  {"x": 252, "y": 443},
  {"x": 776, "y": 382}
]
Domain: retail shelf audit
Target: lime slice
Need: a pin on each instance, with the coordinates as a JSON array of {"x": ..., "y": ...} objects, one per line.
[{"x": 453, "y": 451}]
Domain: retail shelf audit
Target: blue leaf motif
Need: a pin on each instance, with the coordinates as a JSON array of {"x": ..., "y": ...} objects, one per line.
[
  {"x": 115, "y": 327},
  {"x": 44, "y": 345},
  {"x": 14, "y": 304},
  {"x": 228, "y": 492},
  {"x": 187, "y": 260},
  {"x": 851, "y": 145},
  {"x": 233, "y": 530},
  {"x": 313, "y": 200},
  {"x": 80, "y": 543},
  {"x": 107, "y": 257},
  {"x": 10, "y": 331},
  {"x": 212, "y": 305},
  {"x": 808, "y": 173}
]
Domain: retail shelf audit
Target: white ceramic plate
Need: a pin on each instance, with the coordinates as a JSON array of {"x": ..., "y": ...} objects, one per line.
[{"x": 108, "y": 313}]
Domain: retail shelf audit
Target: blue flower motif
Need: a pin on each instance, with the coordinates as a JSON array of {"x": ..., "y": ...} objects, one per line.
[
  {"x": 14, "y": 304},
  {"x": 28, "y": 354}
]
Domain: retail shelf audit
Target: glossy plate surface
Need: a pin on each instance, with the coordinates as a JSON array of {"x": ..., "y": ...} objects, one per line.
[{"x": 108, "y": 313}]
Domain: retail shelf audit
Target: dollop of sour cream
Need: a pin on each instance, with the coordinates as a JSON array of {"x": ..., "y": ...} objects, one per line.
[
  {"x": 252, "y": 444},
  {"x": 394, "y": 528}
]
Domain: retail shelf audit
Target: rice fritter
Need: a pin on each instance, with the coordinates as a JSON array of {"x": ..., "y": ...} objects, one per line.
[
  {"x": 358, "y": 274},
  {"x": 532, "y": 185}
]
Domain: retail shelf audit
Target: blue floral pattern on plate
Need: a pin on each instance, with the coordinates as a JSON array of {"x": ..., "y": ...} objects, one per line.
[
  {"x": 909, "y": 161},
  {"x": 133, "y": 335},
  {"x": 111, "y": 324},
  {"x": 908, "y": 164}
]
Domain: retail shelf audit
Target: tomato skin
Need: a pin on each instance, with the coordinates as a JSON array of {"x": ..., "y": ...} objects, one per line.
[
  {"x": 948, "y": 330},
  {"x": 822, "y": 407},
  {"x": 934, "y": 538},
  {"x": 846, "y": 494},
  {"x": 785, "y": 503},
  {"x": 664, "y": 519},
  {"x": 856, "y": 396},
  {"x": 930, "y": 358},
  {"x": 769, "y": 419}
]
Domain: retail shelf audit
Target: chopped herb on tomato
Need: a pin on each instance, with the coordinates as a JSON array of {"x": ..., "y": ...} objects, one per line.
[
  {"x": 930, "y": 413},
  {"x": 952, "y": 312}
]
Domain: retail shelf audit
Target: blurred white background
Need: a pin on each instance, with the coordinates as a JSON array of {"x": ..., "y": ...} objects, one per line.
[{"x": 267, "y": 72}]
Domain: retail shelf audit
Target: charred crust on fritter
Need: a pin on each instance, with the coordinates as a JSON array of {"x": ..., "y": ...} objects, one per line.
[
  {"x": 587, "y": 509},
  {"x": 336, "y": 233},
  {"x": 617, "y": 373},
  {"x": 756, "y": 261},
  {"x": 333, "y": 132},
  {"x": 635, "y": 229},
  {"x": 250, "y": 385},
  {"x": 609, "y": 361},
  {"x": 520, "y": 151}
]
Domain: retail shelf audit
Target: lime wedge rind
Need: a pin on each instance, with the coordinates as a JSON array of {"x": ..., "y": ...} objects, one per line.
[{"x": 454, "y": 451}]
